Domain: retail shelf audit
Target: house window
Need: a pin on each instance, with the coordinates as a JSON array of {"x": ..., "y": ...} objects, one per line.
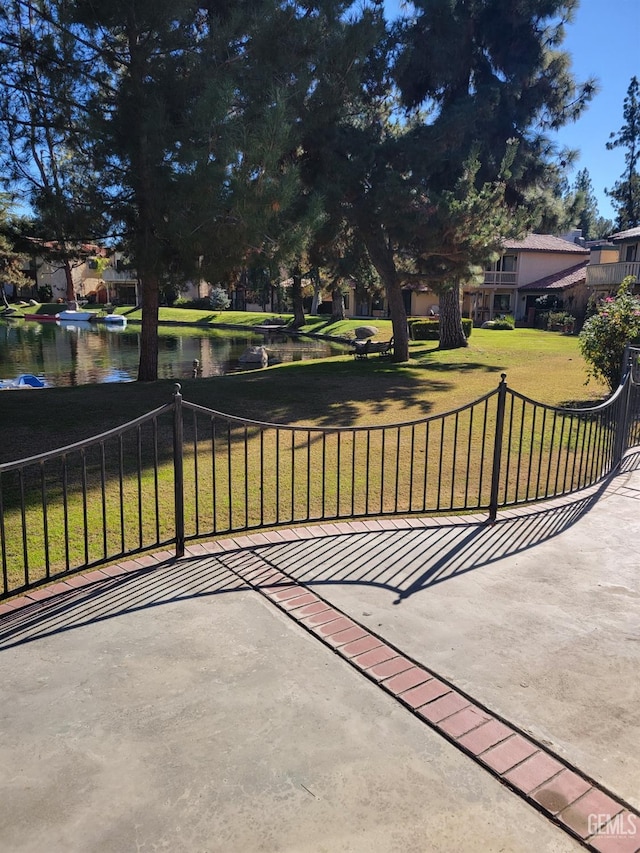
[
  {"x": 508, "y": 263},
  {"x": 631, "y": 253},
  {"x": 501, "y": 303}
]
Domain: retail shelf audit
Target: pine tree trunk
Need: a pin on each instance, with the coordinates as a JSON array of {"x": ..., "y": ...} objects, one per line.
[
  {"x": 70, "y": 292},
  {"x": 382, "y": 259},
  {"x": 337, "y": 305},
  {"x": 451, "y": 332},
  {"x": 296, "y": 297},
  {"x": 148, "y": 364}
]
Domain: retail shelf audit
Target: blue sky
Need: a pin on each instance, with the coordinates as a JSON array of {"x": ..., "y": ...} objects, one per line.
[{"x": 604, "y": 42}]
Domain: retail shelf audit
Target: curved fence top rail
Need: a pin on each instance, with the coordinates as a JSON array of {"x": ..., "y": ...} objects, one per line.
[
  {"x": 87, "y": 442},
  {"x": 203, "y": 410},
  {"x": 571, "y": 410}
]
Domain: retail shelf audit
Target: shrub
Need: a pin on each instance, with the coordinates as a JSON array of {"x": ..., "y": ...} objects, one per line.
[
  {"x": 429, "y": 329},
  {"x": 504, "y": 325},
  {"x": 605, "y": 335},
  {"x": 218, "y": 299}
]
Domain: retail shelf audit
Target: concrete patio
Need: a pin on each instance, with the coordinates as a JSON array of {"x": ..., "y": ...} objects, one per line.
[{"x": 185, "y": 707}]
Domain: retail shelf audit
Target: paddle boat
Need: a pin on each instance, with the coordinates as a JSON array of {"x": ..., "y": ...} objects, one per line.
[{"x": 24, "y": 380}]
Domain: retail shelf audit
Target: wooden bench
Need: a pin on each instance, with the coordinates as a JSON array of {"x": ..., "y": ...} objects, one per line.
[{"x": 363, "y": 349}]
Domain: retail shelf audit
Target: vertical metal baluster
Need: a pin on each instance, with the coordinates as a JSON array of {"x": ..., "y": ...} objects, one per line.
[
  {"x": 23, "y": 516},
  {"x": 366, "y": 482},
  {"x": 454, "y": 459},
  {"x": 45, "y": 519},
  {"x": 534, "y": 417},
  {"x": 246, "y": 476},
  {"x": 324, "y": 470},
  {"x": 338, "y": 452},
  {"x": 397, "y": 482},
  {"x": 65, "y": 511},
  {"x": 541, "y": 454},
  {"x": 293, "y": 475},
  {"x": 3, "y": 542},
  {"x": 555, "y": 484},
  {"x": 483, "y": 450},
  {"x": 468, "y": 466},
  {"x": 103, "y": 497},
  {"x": 139, "y": 482},
  {"x": 519, "y": 454},
  {"x": 551, "y": 451},
  {"x": 426, "y": 465},
  {"x": 382, "y": 454},
  {"x": 121, "y": 475},
  {"x": 156, "y": 498},
  {"x": 507, "y": 467},
  {"x": 566, "y": 460},
  {"x": 354, "y": 433},
  {"x": 214, "y": 482},
  {"x": 229, "y": 476},
  {"x": 196, "y": 471},
  {"x": 85, "y": 520},
  {"x": 497, "y": 447},
  {"x": 308, "y": 474},
  {"x": 440, "y": 464},
  {"x": 411, "y": 464},
  {"x": 261, "y": 477}
]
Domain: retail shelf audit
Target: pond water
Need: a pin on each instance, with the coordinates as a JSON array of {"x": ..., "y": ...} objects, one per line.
[{"x": 84, "y": 353}]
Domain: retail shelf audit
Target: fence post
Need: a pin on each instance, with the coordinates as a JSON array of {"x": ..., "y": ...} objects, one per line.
[
  {"x": 497, "y": 447},
  {"x": 178, "y": 474}
]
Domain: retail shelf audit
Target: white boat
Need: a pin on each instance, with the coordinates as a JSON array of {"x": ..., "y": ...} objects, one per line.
[
  {"x": 75, "y": 316},
  {"x": 113, "y": 319}
]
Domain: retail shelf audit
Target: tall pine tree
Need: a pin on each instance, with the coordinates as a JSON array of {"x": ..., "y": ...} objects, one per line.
[{"x": 625, "y": 194}]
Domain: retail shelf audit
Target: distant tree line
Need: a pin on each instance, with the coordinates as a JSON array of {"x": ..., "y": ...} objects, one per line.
[{"x": 205, "y": 137}]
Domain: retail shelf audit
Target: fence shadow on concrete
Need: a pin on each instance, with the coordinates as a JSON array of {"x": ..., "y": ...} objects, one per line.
[{"x": 403, "y": 561}]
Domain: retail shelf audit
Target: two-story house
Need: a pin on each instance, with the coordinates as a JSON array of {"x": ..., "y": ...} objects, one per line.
[
  {"x": 607, "y": 271},
  {"x": 538, "y": 265}
]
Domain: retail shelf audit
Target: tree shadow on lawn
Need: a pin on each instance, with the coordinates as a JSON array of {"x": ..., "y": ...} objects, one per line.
[{"x": 328, "y": 394}]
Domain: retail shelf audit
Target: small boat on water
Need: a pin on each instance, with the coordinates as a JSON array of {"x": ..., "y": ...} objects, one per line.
[
  {"x": 42, "y": 318},
  {"x": 24, "y": 380},
  {"x": 75, "y": 316},
  {"x": 110, "y": 319}
]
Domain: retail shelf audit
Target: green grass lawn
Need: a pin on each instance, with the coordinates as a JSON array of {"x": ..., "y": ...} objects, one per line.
[
  {"x": 331, "y": 392},
  {"x": 338, "y": 391}
]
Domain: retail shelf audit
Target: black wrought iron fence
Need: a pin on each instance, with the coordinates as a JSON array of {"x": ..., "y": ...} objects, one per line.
[{"x": 184, "y": 472}]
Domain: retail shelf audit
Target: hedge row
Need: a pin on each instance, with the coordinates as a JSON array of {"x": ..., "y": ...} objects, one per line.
[{"x": 429, "y": 330}]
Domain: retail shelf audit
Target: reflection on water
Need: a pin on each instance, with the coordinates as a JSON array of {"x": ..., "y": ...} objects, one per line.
[{"x": 83, "y": 353}]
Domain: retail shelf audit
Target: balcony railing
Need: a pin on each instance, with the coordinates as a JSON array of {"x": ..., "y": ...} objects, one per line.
[
  {"x": 500, "y": 279},
  {"x": 611, "y": 274}
]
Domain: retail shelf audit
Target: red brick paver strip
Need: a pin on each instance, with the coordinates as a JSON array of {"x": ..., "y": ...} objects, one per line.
[
  {"x": 342, "y": 638},
  {"x": 444, "y": 707},
  {"x": 507, "y": 754},
  {"x": 359, "y": 647},
  {"x": 404, "y": 681},
  {"x": 533, "y": 771},
  {"x": 587, "y": 814},
  {"x": 424, "y": 693},
  {"x": 311, "y": 609},
  {"x": 321, "y": 618},
  {"x": 389, "y": 668},
  {"x": 485, "y": 736},
  {"x": 378, "y": 655},
  {"x": 464, "y": 721},
  {"x": 562, "y": 790},
  {"x": 333, "y": 627},
  {"x": 299, "y": 601}
]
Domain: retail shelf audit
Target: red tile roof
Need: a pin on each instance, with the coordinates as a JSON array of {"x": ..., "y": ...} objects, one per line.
[
  {"x": 630, "y": 234},
  {"x": 544, "y": 243},
  {"x": 559, "y": 280}
]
